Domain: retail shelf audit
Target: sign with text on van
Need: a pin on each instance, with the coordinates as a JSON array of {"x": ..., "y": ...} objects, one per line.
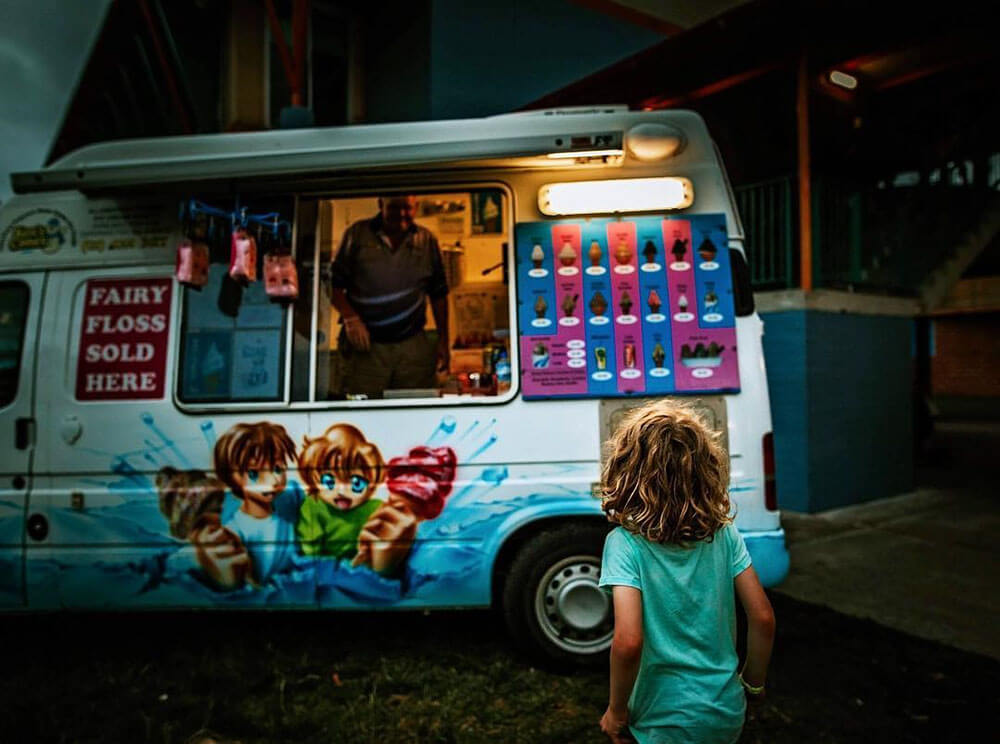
[{"x": 123, "y": 339}]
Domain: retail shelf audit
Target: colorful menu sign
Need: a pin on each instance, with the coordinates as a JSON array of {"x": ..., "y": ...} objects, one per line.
[{"x": 610, "y": 307}]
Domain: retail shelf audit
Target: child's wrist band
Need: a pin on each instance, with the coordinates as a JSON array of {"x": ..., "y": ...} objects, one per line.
[{"x": 750, "y": 688}]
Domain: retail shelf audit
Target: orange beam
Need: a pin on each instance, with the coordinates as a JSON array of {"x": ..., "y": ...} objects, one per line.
[
  {"x": 712, "y": 88},
  {"x": 805, "y": 173}
]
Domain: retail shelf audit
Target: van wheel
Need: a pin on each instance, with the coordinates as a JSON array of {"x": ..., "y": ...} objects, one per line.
[{"x": 551, "y": 601}]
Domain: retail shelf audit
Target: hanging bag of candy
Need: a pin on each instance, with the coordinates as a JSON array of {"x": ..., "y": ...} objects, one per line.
[
  {"x": 281, "y": 278},
  {"x": 191, "y": 268},
  {"x": 242, "y": 253}
]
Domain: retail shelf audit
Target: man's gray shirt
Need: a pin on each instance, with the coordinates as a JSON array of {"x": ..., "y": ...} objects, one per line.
[{"x": 389, "y": 287}]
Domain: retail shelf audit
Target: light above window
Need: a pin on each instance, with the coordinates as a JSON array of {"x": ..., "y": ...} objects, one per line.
[
  {"x": 843, "y": 79},
  {"x": 612, "y": 196}
]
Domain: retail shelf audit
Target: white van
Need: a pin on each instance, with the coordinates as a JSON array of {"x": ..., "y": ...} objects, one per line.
[{"x": 593, "y": 259}]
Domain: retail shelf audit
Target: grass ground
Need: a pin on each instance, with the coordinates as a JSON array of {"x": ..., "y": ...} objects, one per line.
[{"x": 442, "y": 677}]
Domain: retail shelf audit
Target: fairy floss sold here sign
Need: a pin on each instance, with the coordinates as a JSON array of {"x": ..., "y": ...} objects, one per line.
[{"x": 123, "y": 339}]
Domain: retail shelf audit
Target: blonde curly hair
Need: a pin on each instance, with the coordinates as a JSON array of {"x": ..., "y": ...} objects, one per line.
[{"x": 665, "y": 475}]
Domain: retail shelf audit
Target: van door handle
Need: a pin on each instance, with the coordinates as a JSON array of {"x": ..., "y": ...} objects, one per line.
[{"x": 24, "y": 432}]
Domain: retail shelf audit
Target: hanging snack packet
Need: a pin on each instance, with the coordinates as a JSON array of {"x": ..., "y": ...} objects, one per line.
[
  {"x": 281, "y": 279},
  {"x": 192, "y": 263},
  {"x": 243, "y": 256}
]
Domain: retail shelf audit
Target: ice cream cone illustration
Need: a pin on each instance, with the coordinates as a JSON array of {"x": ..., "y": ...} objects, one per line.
[
  {"x": 711, "y": 300},
  {"x": 540, "y": 307},
  {"x": 598, "y": 304},
  {"x": 679, "y": 249},
  {"x": 707, "y": 250},
  {"x": 628, "y": 356},
  {"x": 682, "y": 303},
  {"x": 625, "y": 303},
  {"x": 649, "y": 251},
  {"x": 601, "y": 357},
  {"x": 569, "y": 304},
  {"x": 595, "y": 253},
  {"x": 537, "y": 255},
  {"x": 623, "y": 254},
  {"x": 659, "y": 355},
  {"x": 653, "y": 300},
  {"x": 567, "y": 256}
]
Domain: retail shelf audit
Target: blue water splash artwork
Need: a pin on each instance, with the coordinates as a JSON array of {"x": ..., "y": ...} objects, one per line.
[
  {"x": 483, "y": 447},
  {"x": 208, "y": 431},
  {"x": 468, "y": 431},
  {"x": 148, "y": 420},
  {"x": 445, "y": 428}
]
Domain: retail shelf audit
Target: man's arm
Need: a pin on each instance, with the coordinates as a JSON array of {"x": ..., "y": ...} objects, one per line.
[
  {"x": 439, "y": 306},
  {"x": 340, "y": 273},
  {"x": 626, "y": 652}
]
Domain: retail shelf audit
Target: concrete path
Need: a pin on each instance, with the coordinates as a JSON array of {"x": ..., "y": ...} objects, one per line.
[{"x": 925, "y": 563}]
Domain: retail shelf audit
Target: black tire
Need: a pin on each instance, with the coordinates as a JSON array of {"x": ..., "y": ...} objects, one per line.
[{"x": 551, "y": 602}]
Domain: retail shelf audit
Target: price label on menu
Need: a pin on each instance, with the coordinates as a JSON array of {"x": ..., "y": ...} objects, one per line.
[{"x": 638, "y": 306}]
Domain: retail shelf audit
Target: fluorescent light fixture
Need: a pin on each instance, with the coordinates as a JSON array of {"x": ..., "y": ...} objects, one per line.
[
  {"x": 611, "y": 196},
  {"x": 843, "y": 79},
  {"x": 569, "y": 154}
]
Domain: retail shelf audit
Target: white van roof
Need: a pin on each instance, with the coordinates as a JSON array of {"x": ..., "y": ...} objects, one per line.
[{"x": 497, "y": 140}]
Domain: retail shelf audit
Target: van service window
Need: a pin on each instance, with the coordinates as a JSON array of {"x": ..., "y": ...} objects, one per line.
[{"x": 450, "y": 248}]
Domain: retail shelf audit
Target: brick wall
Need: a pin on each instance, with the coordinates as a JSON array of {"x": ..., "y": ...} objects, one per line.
[{"x": 966, "y": 358}]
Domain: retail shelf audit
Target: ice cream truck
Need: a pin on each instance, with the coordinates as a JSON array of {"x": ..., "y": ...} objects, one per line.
[{"x": 174, "y": 425}]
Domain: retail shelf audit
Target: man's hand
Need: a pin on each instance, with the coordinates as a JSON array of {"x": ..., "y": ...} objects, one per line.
[
  {"x": 615, "y": 725},
  {"x": 357, "y": 333},
  {"x": 443, "y": 354}
]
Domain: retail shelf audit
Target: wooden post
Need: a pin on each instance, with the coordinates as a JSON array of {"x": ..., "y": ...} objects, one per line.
[
  {"x": 245, "y": 88},
  {"x": 805, "y": 175}
]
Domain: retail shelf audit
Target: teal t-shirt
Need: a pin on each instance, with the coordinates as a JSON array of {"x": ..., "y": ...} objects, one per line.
[{"x": 687, "y": 690}]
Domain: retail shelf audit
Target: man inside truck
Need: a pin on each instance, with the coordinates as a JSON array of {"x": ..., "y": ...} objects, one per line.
[{"x": 381, "y": 277}]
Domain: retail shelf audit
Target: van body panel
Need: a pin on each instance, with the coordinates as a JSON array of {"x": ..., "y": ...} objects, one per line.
[{"x": 107, "y": 474}]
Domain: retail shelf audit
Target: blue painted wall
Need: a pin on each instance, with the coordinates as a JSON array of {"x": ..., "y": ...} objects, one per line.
[
  {"x": 840, "y": 387},
  {"x": 493, "y": 56}
]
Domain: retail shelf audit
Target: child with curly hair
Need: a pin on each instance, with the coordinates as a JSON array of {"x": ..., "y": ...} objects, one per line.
[{"x": 672, "y": 565}]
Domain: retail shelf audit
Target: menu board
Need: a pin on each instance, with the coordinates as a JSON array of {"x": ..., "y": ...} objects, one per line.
[{"x": 640, "y": 306}]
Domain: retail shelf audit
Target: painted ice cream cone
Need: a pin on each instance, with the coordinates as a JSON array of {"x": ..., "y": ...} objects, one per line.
[
  {"x": 595, "y": 253},
  {"x": 567, "y": 256},
  {"x": 569, "y": 304},
  {"x": 540, "y": 307},
  {"x": 707, "y": 250},
  {"x": 625, "y": 303},
  {"x": 659, "y": 355},
  {"x": 598, "y": 304},
  {"x": 537, "y": 256},
  {"x": 649, "y": 251},
  {"x": 679, "y": 249},
  {"x": 653, "y": 300},
  {"x": 623, "y": 254}
]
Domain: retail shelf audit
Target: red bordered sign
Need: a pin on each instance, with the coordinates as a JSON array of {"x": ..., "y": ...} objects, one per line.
[{"x": 123, "y": 339}]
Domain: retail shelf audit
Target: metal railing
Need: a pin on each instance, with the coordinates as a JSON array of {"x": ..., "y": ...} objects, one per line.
[{"x": 766, "y": 209}]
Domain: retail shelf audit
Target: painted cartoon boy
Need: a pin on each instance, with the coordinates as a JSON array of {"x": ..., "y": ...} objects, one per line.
[
  {"x": 251, "y": 459},
  {"x": 342, "y": 471}
]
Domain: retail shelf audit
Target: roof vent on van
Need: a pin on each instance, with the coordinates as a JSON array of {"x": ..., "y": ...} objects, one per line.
[
  {"x": 652, "y": 141},
  {"x": 614, "y": 108}
]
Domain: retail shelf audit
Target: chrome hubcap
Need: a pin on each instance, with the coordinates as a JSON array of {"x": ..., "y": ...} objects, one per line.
[{"x": 571, "y": 609}]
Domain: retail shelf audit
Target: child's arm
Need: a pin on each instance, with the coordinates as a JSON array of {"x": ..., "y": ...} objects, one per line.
[
  {"x": 626, "y": 651},
  {"x": 760, "y": 626}
]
